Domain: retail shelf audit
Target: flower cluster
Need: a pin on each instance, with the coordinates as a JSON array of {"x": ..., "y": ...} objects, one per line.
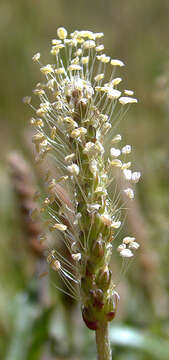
[{"x": 75, "y": 126}]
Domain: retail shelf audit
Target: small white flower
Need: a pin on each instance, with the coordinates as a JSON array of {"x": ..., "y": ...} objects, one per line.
[
  {"x": 113, "y": 94},
  {"x": 85, "y": 34},
  {"x": 127, "y": 100},
  {"x": 99, "y": 77},
  {"x": 54, "y": 50},
  {"x": 38, "y": 92},
  {"x": 74, "y": 67},
  {"x": 126, "y": 253},
  {"x": 56, "y": 42},
  {"x": 60, "y": 71},
  {"x": 126, "y": 149},
  {"x": 130, "y": 193},
  {"x": 126, "y": 165},
  {"x": 101, "y": 191},
  {"x": 74, "y": 169},
  {"x": 136, "y": 176},
  {"x": 78, "y": 52},
  {"x": 77, "y": 218},
  {"x": 116, "y": 163},
  {"x": 89, "y": 44},
  {"x": 99, "y": 147},
  {"x": 60, "y": 227},
  {"x": 116, "y": 224},
  {"x": 103, "y": 58},
  {"x": 55, "y": 265},
  {"x": 70, "y": 42},
  {"x": 99, "y": 35},
  {"x": 61, "y": 33},
  {"x": 134, "y": 245},
  {"x": 89, "y": 148},
  {"x": 115, "y": 152},
  {"x": 106, "y": 218},
  {"x": 129, "y": 92},
  {"x": 75, "y": 61},
  {"x": 116, "y": 139},
  {"x": 99, "y": 48},
  {"x": 98, "y": 88},
  {"x": 27, "y": 100},
  {"x": 116, "y": 81},
  {"x": 36, "y": 57},
  {"x": 116, "y": 62},
  {"x": 76, "y": 257},
  {"x": 105, "y": 128},
  {"x": 57, "y": 47},
  {"x": 78, "y": 132},
  {"x": 127, "y": 174},
  {"x": 74, "y": 246},
  {"x": 47, "y": 69},
  {"x": 69, "y": 158},
  {"x": 73, "y": 124},
  {"x": 121, "y": 247},
  {"x": 93, "y": 207},
  {"x": 82, "y": 130},
  {"x": 128, "y": 240},
  {"x": 93, "y": 167},
  {"x": 85, "y": 60}
]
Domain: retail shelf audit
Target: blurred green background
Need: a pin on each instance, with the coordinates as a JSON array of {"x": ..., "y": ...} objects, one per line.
[{"x": 35, "y": 320}]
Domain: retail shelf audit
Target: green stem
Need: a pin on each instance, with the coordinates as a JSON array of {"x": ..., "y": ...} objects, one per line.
[{"x": 103, "y": 342}]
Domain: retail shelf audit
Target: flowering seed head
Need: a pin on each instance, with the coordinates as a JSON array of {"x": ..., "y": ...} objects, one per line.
[{"x": 74, "y": 124}]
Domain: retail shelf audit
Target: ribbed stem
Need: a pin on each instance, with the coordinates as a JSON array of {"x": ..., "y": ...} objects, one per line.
[{"x": 103, "y": 342}]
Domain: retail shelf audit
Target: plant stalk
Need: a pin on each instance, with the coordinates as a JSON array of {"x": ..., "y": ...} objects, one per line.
[{"x": 103, "y": 342}]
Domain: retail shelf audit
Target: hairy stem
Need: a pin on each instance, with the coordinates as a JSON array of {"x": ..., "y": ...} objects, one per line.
[{"x": 103, "y": 342}]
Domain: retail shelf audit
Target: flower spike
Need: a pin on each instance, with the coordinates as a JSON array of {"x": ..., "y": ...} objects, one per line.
[{"x": 74, "y": 126}]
